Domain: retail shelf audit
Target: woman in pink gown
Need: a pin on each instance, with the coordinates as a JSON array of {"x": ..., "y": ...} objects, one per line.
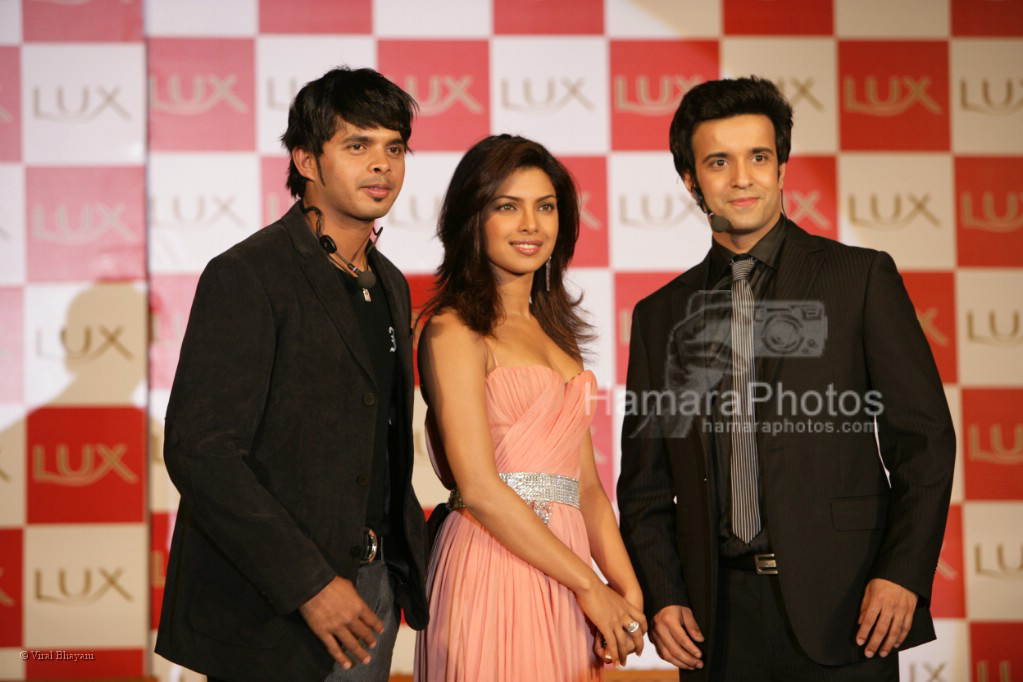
[{"x": 513, "y": 595}]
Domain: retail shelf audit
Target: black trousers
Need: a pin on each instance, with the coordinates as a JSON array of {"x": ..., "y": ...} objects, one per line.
[{"x": 755, "y": 642}]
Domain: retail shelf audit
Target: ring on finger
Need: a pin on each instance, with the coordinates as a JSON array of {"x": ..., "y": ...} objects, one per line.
[{"x": 631, "y": 627}]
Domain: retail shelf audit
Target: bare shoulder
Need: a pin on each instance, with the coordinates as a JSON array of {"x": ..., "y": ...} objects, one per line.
[{"x": 446, "y": 339}]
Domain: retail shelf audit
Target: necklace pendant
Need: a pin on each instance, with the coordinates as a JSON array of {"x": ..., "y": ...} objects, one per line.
[{"x": 365, "y": 295}]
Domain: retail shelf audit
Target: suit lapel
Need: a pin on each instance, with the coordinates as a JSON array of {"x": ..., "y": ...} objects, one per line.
[{"x": 320, "y": 274}]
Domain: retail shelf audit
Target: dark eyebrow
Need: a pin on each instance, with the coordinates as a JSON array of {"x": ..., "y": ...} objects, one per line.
[
  {"x": 514, "y": 198},
  {"x": 715, "y": 155},
  {"x": 762, "y": 150},
  {"x": 365, "y": 139}
]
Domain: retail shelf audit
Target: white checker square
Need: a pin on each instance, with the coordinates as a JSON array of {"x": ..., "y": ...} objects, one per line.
[
  {"x": 655, "y": 224},
  {"x": 597, "y": 287},
  {"x": 900, "y": 19},
  {"x": 989, "y": 327},
  {"x": 992, "y": 543},
  {"x": 432, "y": 18},
  {"x": 804, "y": 69},
  {"x": 199, "y": 206},
  {"x": 166, "y": 18},
  {"x": 896, "y": 203},
  {"x": 83, "y": 104},
  {"x": 954, "y": 396},
  {"x": 85, "y": 344},
  {"x": 552, "y": 90},
  {"x": 12, "y": 665},
  {"x": 86, "y": 586},
  {"x": 662, "y": 18},
  {"x": 12, "y": 465},
  {"x": 410, "y": 228},
  {"x": 13, "y": 256},
  {"x": 987, "y": 96},
  {"x": 10, "y": 22},
  {"x": 285, "y": 63},
  {"x": 946, "y": 659}
]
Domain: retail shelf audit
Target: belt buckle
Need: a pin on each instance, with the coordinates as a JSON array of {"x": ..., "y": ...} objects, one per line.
[
  {"x": 372, "y": 545},
  {"x": 765, "y": 564}
]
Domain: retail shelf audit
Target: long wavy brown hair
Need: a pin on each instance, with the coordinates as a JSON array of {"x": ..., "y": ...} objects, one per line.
[{"x": 465, "y": 279}]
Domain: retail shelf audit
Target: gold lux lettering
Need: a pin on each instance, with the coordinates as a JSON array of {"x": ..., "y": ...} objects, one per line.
[
  {"x": 559, "y": 93},
  {"x": 994, "y": 336},
  {"x": 443, "y": 93},
  {"x": 85, "y": 595},
  {"x": 88, "y": 470},
  {"x": 895, "y": 218},
  {"x": 999, "y": 453},
  {"x": 903, "y": 93},
  {"x": 990, "y": 220},
  {"x": 207, "y": 91}
]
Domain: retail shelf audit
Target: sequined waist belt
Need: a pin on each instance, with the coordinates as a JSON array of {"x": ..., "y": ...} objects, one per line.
[{"x": 537, "y": 489}]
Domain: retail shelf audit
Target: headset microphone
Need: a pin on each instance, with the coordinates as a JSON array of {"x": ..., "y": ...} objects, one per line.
[
  {"x": 718, "y": 223},
  {"x": 363, "y": 278}
]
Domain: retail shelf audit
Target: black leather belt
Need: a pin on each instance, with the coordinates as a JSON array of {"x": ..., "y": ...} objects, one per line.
[
  {"x": 761, "y": 564},
  {"x": 373, "y": 546}
]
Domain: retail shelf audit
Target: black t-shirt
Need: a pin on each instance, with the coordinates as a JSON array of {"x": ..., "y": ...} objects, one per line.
[{"x": 377, "y": 329}]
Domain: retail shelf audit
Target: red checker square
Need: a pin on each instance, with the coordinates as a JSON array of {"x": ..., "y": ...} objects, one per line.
[
  {"x": 987, "y": 18},
  {"x": 590, "y": 175},
  {"x": 933, "y": 296},
  {"x": 778, "y": 17},
  {"x": 648, "y": 80},
  {"x": 948, "y": 595},
  {"x": 993, "y": 440},
  {"x": 86, "y": 465},
  {"x": 421, "y": 288},
  {"x": 86, "y": 223},
  {"x": 315, "y": 16},
  {"x": 10, "y": 104},
  {"x": 12, "y": 344},
  {"x": 170, "y": 300},
  {"x": 202, "y": 94},
  {"x": 87, "y": 664},
  {"x": 12, "y": 549},
  {"x": 989, "y": 211},
  {"x": 273, "y": 171},
  {"x": 811, "y": 194},
  {"x": 995, "y": 650},
  {"x": 602, "y": 433},
  {"x": 630, "y": 288},
  {"x": 561, "y": 17},
  {"x": 96, "y": 20},
  {"x": 894, "y": 95},
  {"x": 161, "y": 527},
  {"x": 451, "y": 81}
]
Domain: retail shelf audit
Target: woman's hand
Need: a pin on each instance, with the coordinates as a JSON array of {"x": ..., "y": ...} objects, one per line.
[{"x": 613, "y": 617}]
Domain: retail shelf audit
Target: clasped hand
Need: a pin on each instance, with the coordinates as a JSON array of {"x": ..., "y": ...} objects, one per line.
[
  {"x": 340, "y": 618},
  {"x": 888, "y": 609},
  {"x": 611, "y": 614}
]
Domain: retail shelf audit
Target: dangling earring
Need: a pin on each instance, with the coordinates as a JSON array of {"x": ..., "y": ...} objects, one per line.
[{"x": 547, "y": 274}]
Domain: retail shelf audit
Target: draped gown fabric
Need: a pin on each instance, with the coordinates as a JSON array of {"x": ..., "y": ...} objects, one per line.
[{"x": 492, "y": 615}]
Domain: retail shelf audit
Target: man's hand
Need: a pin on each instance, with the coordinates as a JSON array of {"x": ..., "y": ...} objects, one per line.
[
  {"x": 675, "y": 634},
  {"x": 338, "y": 614},
  {"x": 888, "y": 609}
]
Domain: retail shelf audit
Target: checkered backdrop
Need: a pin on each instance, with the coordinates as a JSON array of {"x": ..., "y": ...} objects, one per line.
[{"x": 137, "y": 141}]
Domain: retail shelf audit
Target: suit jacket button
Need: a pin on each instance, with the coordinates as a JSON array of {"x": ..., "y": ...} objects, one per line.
[
  {"x": 362, "y": 480},
  {"x": 355, "y": 551},
  {"x": 368, "y": 399}
]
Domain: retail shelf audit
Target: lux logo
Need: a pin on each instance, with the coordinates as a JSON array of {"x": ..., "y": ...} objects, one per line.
[
  {"x": 92, "y": 101},
  {"x": 86, "y": 351},
  {"x": 903, "y": 91},
  {"x": 85, "y": 595},
  {"x": 1009, "y": 221},
  {"x": 207, "y": 91},
  {"x": 673, "y": 209},
  {"x": 280, "y": 103},
  {"x": 999, "y": 454},
  {"x": 419, "y": 211},
  {"x": 560, "y": 92},
  {"x": 587, "y": 219},
  {"x": 1004, "y": 571},
  {"x": 926, "y": 318},
  {"x": 88, "y": 472},
  {"x": 203, "y": 213},
  {"x": 802, "y": 207},
  {"x": 796, "y": 90},
  {"x": 895, "y": 218},
  {"x": 1004, "y": 672},
  {"x": 5, "y": 599},
  {"x": 95, "y": 220},
  {"x": 1009, "y": 104},
  {"x": 933, "y": 674},
  {"x": 995, "y": 337},
  {"x": 444, "y": 92},
  {"x": 670, "y": 90}
]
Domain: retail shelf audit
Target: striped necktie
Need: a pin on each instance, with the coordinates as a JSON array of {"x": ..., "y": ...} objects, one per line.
[{"x": 744, "y": 474}]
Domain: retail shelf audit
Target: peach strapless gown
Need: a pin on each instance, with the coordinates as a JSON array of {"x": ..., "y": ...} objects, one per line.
[{"x": 494, "y": 617}]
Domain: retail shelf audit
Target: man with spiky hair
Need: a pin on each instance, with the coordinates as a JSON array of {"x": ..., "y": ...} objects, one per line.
[{"x": 299, "y": 538}]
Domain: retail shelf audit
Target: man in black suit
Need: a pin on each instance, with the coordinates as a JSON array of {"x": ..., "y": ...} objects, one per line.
[
  {"x": 299, "y": 536},
  {"x": 768, "y": 540}
]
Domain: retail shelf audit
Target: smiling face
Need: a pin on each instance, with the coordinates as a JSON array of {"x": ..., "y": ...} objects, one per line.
[
  {"x": 521, "y": 224},
  {"x": 738, "y": 172},
  {"x": 358, "y": 175}
]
